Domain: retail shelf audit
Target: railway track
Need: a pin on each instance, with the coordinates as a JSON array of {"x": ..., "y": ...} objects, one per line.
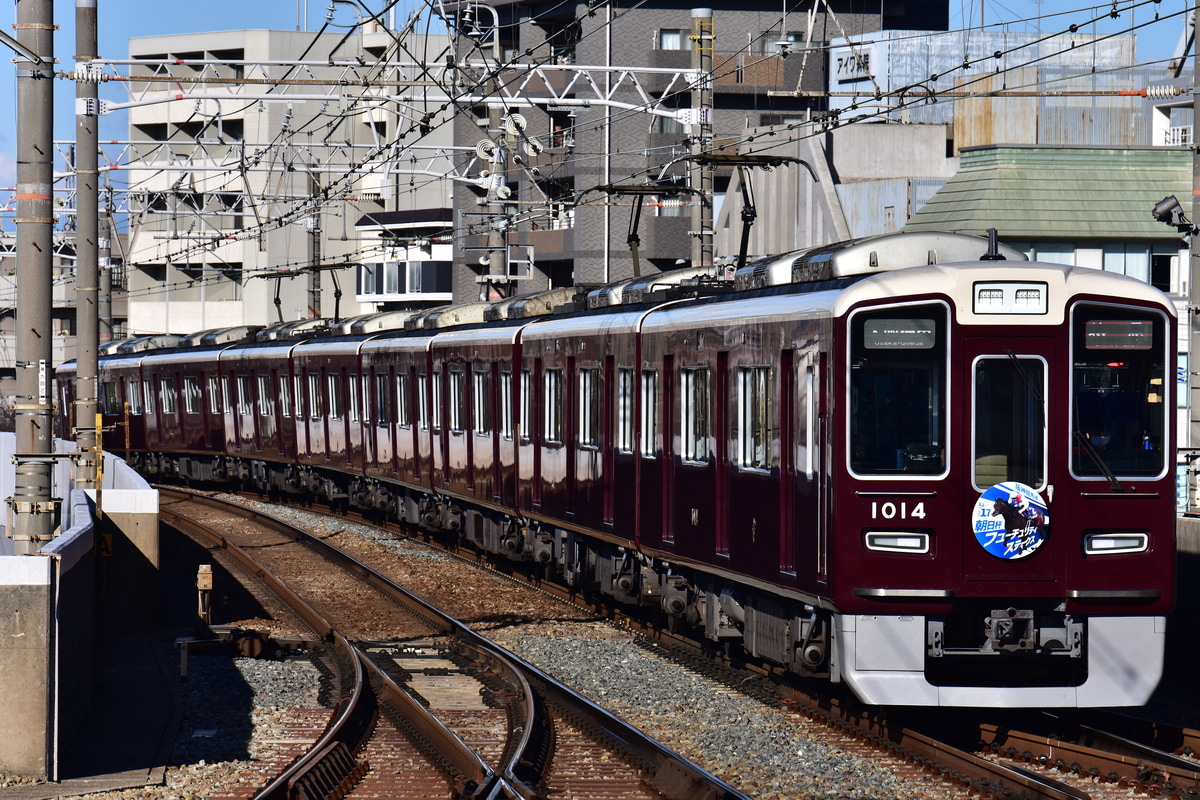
[{"x": 427, "y": 707}]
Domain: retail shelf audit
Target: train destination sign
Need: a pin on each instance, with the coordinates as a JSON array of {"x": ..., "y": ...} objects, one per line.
[
  {"x": 899, "y": 334},
  {"x": 1116, "y": 334}
]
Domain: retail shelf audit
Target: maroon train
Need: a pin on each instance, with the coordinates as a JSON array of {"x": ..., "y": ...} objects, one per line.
[{"x": 942, "y": 484}]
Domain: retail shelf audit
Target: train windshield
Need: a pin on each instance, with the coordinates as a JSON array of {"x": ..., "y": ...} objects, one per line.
[
  {"x": 1009, "y": 420},
  {"x": 898, "y": 391},
  {"x": 1118, "y": 392}
]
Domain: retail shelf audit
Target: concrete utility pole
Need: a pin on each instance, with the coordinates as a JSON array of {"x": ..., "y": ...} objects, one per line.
[
  {"x": 702, "y": 136},
  {"x": 1193, "y": 359},
  {"x": 87, "y": 241},
  {"x": 32, "y": 506}
]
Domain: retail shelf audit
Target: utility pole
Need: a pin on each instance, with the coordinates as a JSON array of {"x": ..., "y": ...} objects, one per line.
[
  {"x": 87, "y": 254},
  {"x": 32, "y": 505},
  {"x": 314, "y": 248},
  {"x": 702, "y": 136},
  {"x": 1193, "y": 358}
]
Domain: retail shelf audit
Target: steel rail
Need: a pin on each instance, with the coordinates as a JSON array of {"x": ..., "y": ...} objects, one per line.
[
  {"x": 671, "y": 773},
  {"x": 353, "y": 725}
]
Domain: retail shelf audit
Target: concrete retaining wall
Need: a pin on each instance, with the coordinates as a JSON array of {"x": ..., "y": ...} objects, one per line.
[{"x": 49, "y": 608}]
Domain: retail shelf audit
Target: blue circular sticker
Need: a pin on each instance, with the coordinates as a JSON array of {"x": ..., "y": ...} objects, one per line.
[{"x": 1011, "y": 520}]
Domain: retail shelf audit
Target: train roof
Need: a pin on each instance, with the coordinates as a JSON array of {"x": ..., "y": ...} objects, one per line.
[
  {"x": 869, "y": 256},
  {"x": 810, "y": 270}
]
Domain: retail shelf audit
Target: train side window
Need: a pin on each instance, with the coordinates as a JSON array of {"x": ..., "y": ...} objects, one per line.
[
  {"x": 355, "y": 411},
  {"x": 298, "y": 395},
  {"x": 506, "y": 405},
  {"x": 285, "y": 397},
  {"x": 109, "y": 398},
  {"x": 148, "y": 396},
  {"x": 693, "y": 417},
  {"x": 403, "y": 401},
  {"x": 383, "y": 398},
  {"x": 625, "y": 410},
  {"x": 133, "y": 391},
  {"x": 552, "y": 417},
  {"x": 481, "y": 403},
  {"x": 243, "y": 395},
  {"x": 213, "y": 386},
  {"x": 168, "y": 395},
  {"x": 435, "y": 410},
  {"x": 458, "y": 391},
  {"x": 423, "y": 402},
  {"x": 314, "y": 395},
  {"x": 589, "y": 407},
  {"x": 191, "y": 394},
  {"x": 526, "y": 421},
  {"x": 225, "y": 393},
  {"x": 264, "y": 396},
  {"x": 334, "y": 384},
  {"x": 897, "y": 384},
  {"x": 754, "y": 418},
  {"x": 649, "y": 427},
  {"x": 808, "y": 426}
]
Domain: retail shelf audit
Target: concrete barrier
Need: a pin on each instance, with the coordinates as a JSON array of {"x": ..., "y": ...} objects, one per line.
[{"x": 49, "y": 607}]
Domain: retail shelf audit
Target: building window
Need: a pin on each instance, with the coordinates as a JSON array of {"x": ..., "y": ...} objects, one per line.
[
  {"x": 674, "y": 39},
  {"x": 552, "y": 414},
  {"x": 694, "y": 414},
  {"x": 754, "y": 417},
  {"x": 589, "y": 407}
]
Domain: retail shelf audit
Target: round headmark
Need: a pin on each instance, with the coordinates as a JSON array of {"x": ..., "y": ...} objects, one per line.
[{"x": 1011, "y": 520}]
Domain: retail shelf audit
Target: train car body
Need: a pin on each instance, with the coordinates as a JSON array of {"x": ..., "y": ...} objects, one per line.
[{"x": 941, "y": 484}]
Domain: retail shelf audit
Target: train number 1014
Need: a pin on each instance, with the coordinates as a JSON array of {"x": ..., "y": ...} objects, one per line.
[{"x": 901, "y": 510}]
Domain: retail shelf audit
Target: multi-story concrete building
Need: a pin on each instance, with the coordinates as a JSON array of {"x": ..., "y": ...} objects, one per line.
[
  {"x": 245, "y": 193},
  {"x": 593, "y": 142}
]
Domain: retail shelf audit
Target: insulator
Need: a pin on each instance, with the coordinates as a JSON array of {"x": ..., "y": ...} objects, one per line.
[{"x": 1163, "y": 92}]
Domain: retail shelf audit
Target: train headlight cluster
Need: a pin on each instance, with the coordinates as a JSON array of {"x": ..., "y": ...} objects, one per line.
[
  {"x": 898, "y": 542},
  {"x": 1099, "y": 544},
  {"x": 1010, "y": 297}
]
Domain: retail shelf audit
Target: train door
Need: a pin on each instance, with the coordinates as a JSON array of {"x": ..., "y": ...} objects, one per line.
[{"x": 1005, "y": 430}]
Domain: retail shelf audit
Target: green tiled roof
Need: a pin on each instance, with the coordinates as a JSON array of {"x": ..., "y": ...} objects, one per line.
[{"x": 1060, "y": 192}]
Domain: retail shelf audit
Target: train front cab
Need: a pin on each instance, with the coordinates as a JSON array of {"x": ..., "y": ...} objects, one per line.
[{"x": 1005, "y": 505}]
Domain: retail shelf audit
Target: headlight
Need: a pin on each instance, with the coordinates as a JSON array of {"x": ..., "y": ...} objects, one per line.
[
  {"x": 1099, "y": 544},
  {"x": 897, "y": 542}
]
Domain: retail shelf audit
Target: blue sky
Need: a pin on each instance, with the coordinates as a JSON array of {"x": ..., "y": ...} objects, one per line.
[{"x": 119, "y": 20}]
